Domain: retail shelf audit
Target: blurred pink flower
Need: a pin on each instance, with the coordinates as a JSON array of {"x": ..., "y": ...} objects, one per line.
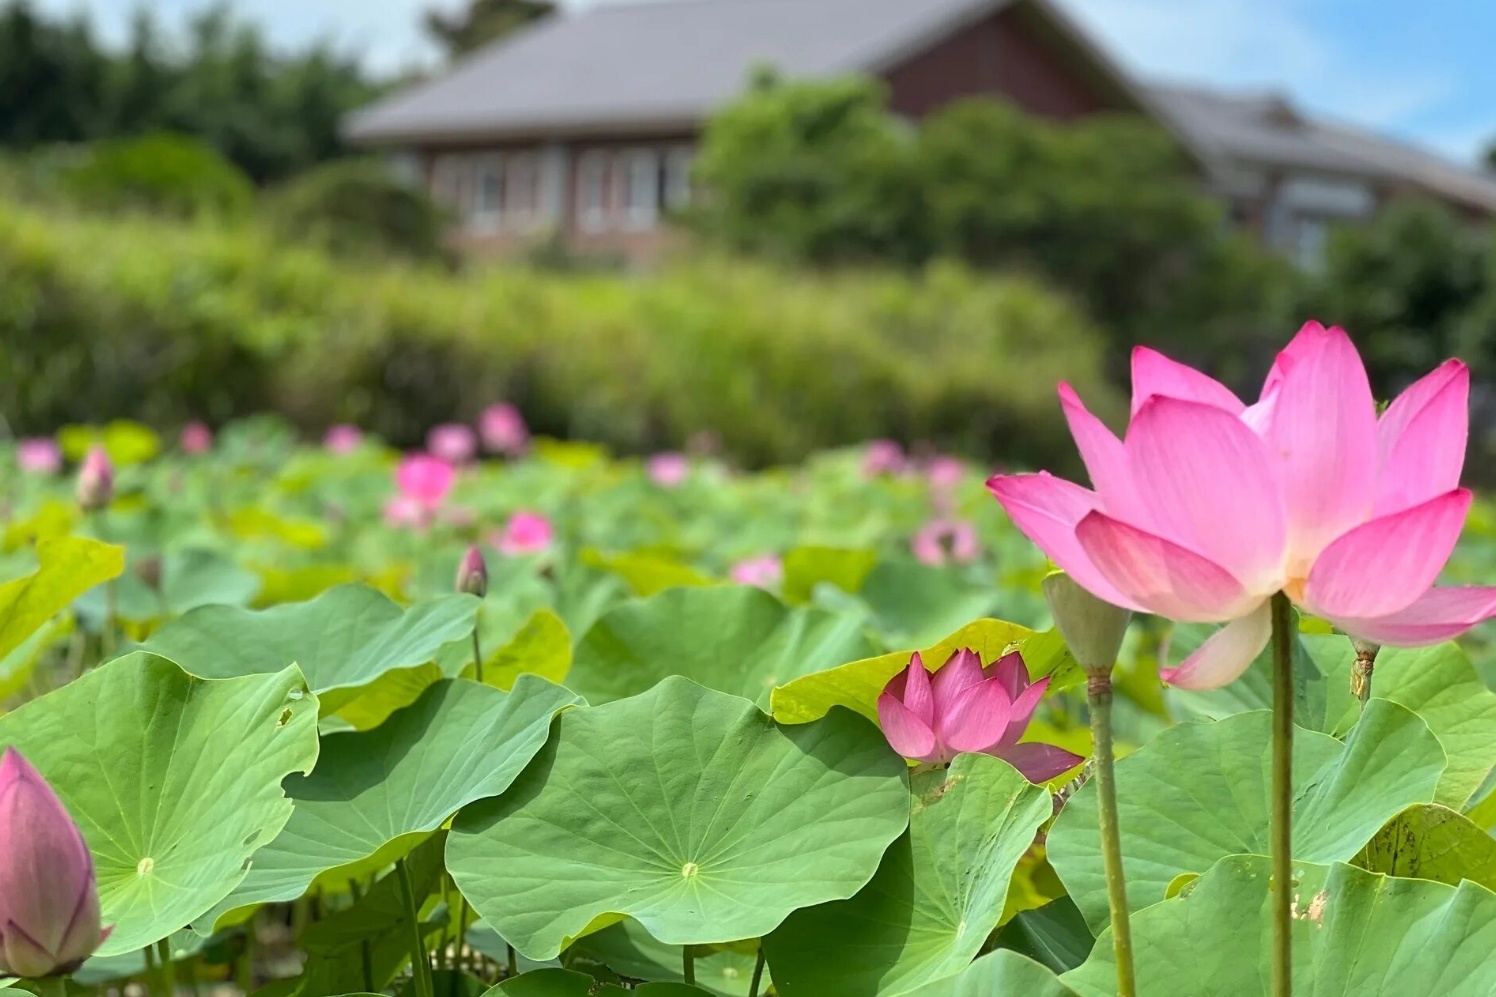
[
  {"x": 425, "y": 480},
  {"x": 525, "y": 533},
  {"x": 503, "y": 430},
  {"x": 402, "y": 510},
  {"x": 883, "y": 457},
  {"x": 95, "y": 485},
  {"x": 39, "y": 455},
  {"x": 453, "y": 442},
  {"x": 49, "y": 898},
  {"x": 943, "y": 540},
  {"x": 196, "y": 438},
  {"x": 969, "y": 708},
  {"x": 668, "y": 470},
  {"x": 343, "y": 438},
  {"x": 945, "y": 473},
  {"x": 1208, "y": 506},
  {"x": 762, "y": 571}
]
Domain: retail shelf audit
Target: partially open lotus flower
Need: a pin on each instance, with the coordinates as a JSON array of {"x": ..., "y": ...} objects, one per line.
[
  {"x": 1209, "y": 507},
  {"x": 49, "y": 901},
  {"x": 343, "y": 438},
  {"x": 452, "y": 442},
  {"x": 525, "y": 533},
  {"x": 668, "y": 470},
  {"x": 968, "y": 708},
  {"x": 196, "y": 438},
  {"x": 39, "y": 456},
  {"x": 883, "y": 457},
  {"x": 503, "y": 430},
  {"x": 943, "y": 541},
  {"x": 763, "y": 571}
]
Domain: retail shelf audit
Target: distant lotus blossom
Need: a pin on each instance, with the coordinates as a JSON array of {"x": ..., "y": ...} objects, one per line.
[
  {"x": 39, "y": 455},
  {"x": 883, "y": 457},
  {"x": 762, "y": 571},
  {"x": 453, "y": 442},
  {"x": 196, "y": 438},
  {"x": 969, "y": 708},
  {"x": 95, "y": 485},
  {"x": 668, "y": 470},
  {"x": 945, "y": 473},
  {"x": 944, "y": 541},
  {"x": 1208, "y": 507},
  {"x": 424, "y": 482},
  {"x": 343, "y": 438},
  {"x": 525, "y": 533},
  {"x": 503, "y": 430}
]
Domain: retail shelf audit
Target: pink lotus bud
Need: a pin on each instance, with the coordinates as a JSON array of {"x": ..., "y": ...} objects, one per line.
[
  {"x": 968, "y": 708},
  {"x": 425, "y": 480},
  {"x": 196, "y": 438},
  {"x": 472, "y": 573},
  {"x": 49, "y": 902},
  {"x": 343, "y": 438},
  {"x": 503, "y": 430},
  {"x": 525, "y": 533},
  {"x": 883, "y": 457},
  {"x": 763, "y": 571},
  {"x": 668, "y": 470},
  {"x": 96, "y": 480},
  {"x": 452, "y": 442},
  {"x": 39, "y": 456},
  {"x": 403, "y": 511},
  {"x": 944, "y": 541}
]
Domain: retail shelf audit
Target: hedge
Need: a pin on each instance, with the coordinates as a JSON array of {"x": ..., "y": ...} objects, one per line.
[{"x": 168, "y": 321}]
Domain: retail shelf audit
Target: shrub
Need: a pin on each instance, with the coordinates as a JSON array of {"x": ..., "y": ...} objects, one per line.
[
  {"x": 169, "y": 322},
  {"x": 359, "y": 207},
  {"x": 159, "y": 172}
]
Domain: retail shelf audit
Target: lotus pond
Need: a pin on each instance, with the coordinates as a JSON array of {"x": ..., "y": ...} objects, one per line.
[{"x": 315, "y": 747}]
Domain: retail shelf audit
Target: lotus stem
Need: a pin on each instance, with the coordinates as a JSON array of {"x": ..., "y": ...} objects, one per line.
[
  {"x": 688, "y": 964},
  {"x": 1099, "y": 701},
  {"x": 420, "y": 965},
  {"x": 106, "y": 629},
  {"x": 462, "y": 928},
  {"x": 247, "y": 962},
  {"x": 758, "y": 972},
  {"x": 513, "y": 965},
  {"x": 477, "y": 656},
  {"x": 168, "y": 969},
  {"x": 366, "y": 956},
  {"x": 1282, "y": 826},
  {"x": 1366, "y": 659},
  {"x": 51, "y": 986}
]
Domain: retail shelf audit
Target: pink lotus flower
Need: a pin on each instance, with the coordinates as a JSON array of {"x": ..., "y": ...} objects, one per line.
[
  {"x": 945, "y": 540},
  {"x": 503, "y": 430},
  {"x": 424, "y": 482},
  {"x": 49, "y": 901},
  {"x": 452, "y": 442},
  {"x": 472, "y": 573},
  {"x": 39, "y": 456},
  {"x": 762, "y": 571},
  {"x": 883, "y": 457},
  {"x": 525, "y": 533},
  {"x": 196, "y": 438},
  {"x": 343, "y": 438},
  {"x": 968, "y": 708},
  {"x": 95, "y": 489},
  {"x": 668, "y": 470},
  {"x": 945, "y": 473},
  {"x": 1209, "y": 506}
]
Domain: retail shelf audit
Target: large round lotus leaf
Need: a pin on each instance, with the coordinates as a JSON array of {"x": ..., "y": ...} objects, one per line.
[
  {"x": 736, "y": 639},
  {"x": 189, "y": 579},
  {"x": 375, "y": 794},
  {"x": 1355, "y": 934},
  {"x": 1432, "y": 842},
  {"x": 686, "y": 809},
  {"x": 937, "y": 896},
  {"x": 999, "y": 974},
  {"x": 565, "y": 983},
  {"x": 173, "y": 780},
  {"x": 913, "y": 603},
  {"x": 346, "y": 637},
  {"x": 67, "y": 567},
  {"x": 857, "y": 685},
  {"x": 628, "y": 950},
  {"x": 1199, "y": 792}
]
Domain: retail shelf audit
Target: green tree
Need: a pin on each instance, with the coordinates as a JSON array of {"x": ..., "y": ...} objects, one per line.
[
  {"x": 52, "y": 79},
  {"x": 481, "y": 22}
]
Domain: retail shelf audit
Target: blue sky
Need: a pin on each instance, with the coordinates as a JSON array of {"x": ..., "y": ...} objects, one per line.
[{"x": 1424, "y": 71}]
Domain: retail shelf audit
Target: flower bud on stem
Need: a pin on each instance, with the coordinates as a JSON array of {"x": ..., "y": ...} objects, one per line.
[{"x": 1366, "y": 659}]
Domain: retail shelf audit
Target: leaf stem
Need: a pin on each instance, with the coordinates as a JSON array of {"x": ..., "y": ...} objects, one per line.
[
  {"x": 688, "y": 964},
  {"x": 1282, "y": 824},
  {"x": 51, "y": 986},
  {"x": 168, "y": 968},
  {"x": 758, "y": 972},
  {"x": 513, "y": 963},
  {"x": 462, "y": 927},
  {"x": 366, "y": 956},
  {"x": 477, "y": 656},
  {"x": 106, "y": 630},
  {"x": 420, "y": 965},
  {"x": 1099, "y": 701}
]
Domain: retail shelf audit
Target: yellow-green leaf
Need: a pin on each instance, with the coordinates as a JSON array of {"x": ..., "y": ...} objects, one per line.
[
  {"x": 70, "y": 566},
  {"x": 541, "y": 647}
]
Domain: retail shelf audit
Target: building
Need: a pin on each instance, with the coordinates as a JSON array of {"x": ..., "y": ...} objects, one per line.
[{"x": 586, "y": 124}]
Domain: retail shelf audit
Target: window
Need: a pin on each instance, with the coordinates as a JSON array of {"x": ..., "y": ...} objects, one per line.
[
  {"x": 592, "y": 191},
  {"x": 488, "y": 186},
  {"x": 677, "y": 192},
  {"x": 641, "y": 189},
  {"x": 449, "y": 183},
  {"x": 1311, "y": 234},
  {"x": 522, "y": 189}
]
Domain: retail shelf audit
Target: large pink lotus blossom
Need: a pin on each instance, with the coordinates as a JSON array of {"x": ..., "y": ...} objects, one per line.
[
  {"x": 39, "y": 455},
  {"x": 668, "y": 470},
  {"x": 196, "y": 438},
  {"x": 343, "y": 438},
  {"x": 424, "y": 482},
  {"x": 453, "y": 442},
  {"x": 943, "y": 541},
  {"x": 1209, "y": 506},
  {"x": 49, "y": 901},
  {"x": 969, "y": 708},
  {"x": 525, "y": 533},
  {"x": 503, "y": 430}
]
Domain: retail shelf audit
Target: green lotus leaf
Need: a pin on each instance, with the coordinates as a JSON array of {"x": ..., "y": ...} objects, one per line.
[
  {"x": 628, "y": 950},
  {"x": 565, "y": 983},
  {"x": 685, "y": 809},
  {"x": 807, "y": 567},
  {"x": 999, "y": 974},
  {"x": 1432, "y": 842},
  {"x": 67, "y": 567}
]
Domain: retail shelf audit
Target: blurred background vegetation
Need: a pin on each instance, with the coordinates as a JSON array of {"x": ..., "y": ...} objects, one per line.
[{"x": 183, "y": 235}]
